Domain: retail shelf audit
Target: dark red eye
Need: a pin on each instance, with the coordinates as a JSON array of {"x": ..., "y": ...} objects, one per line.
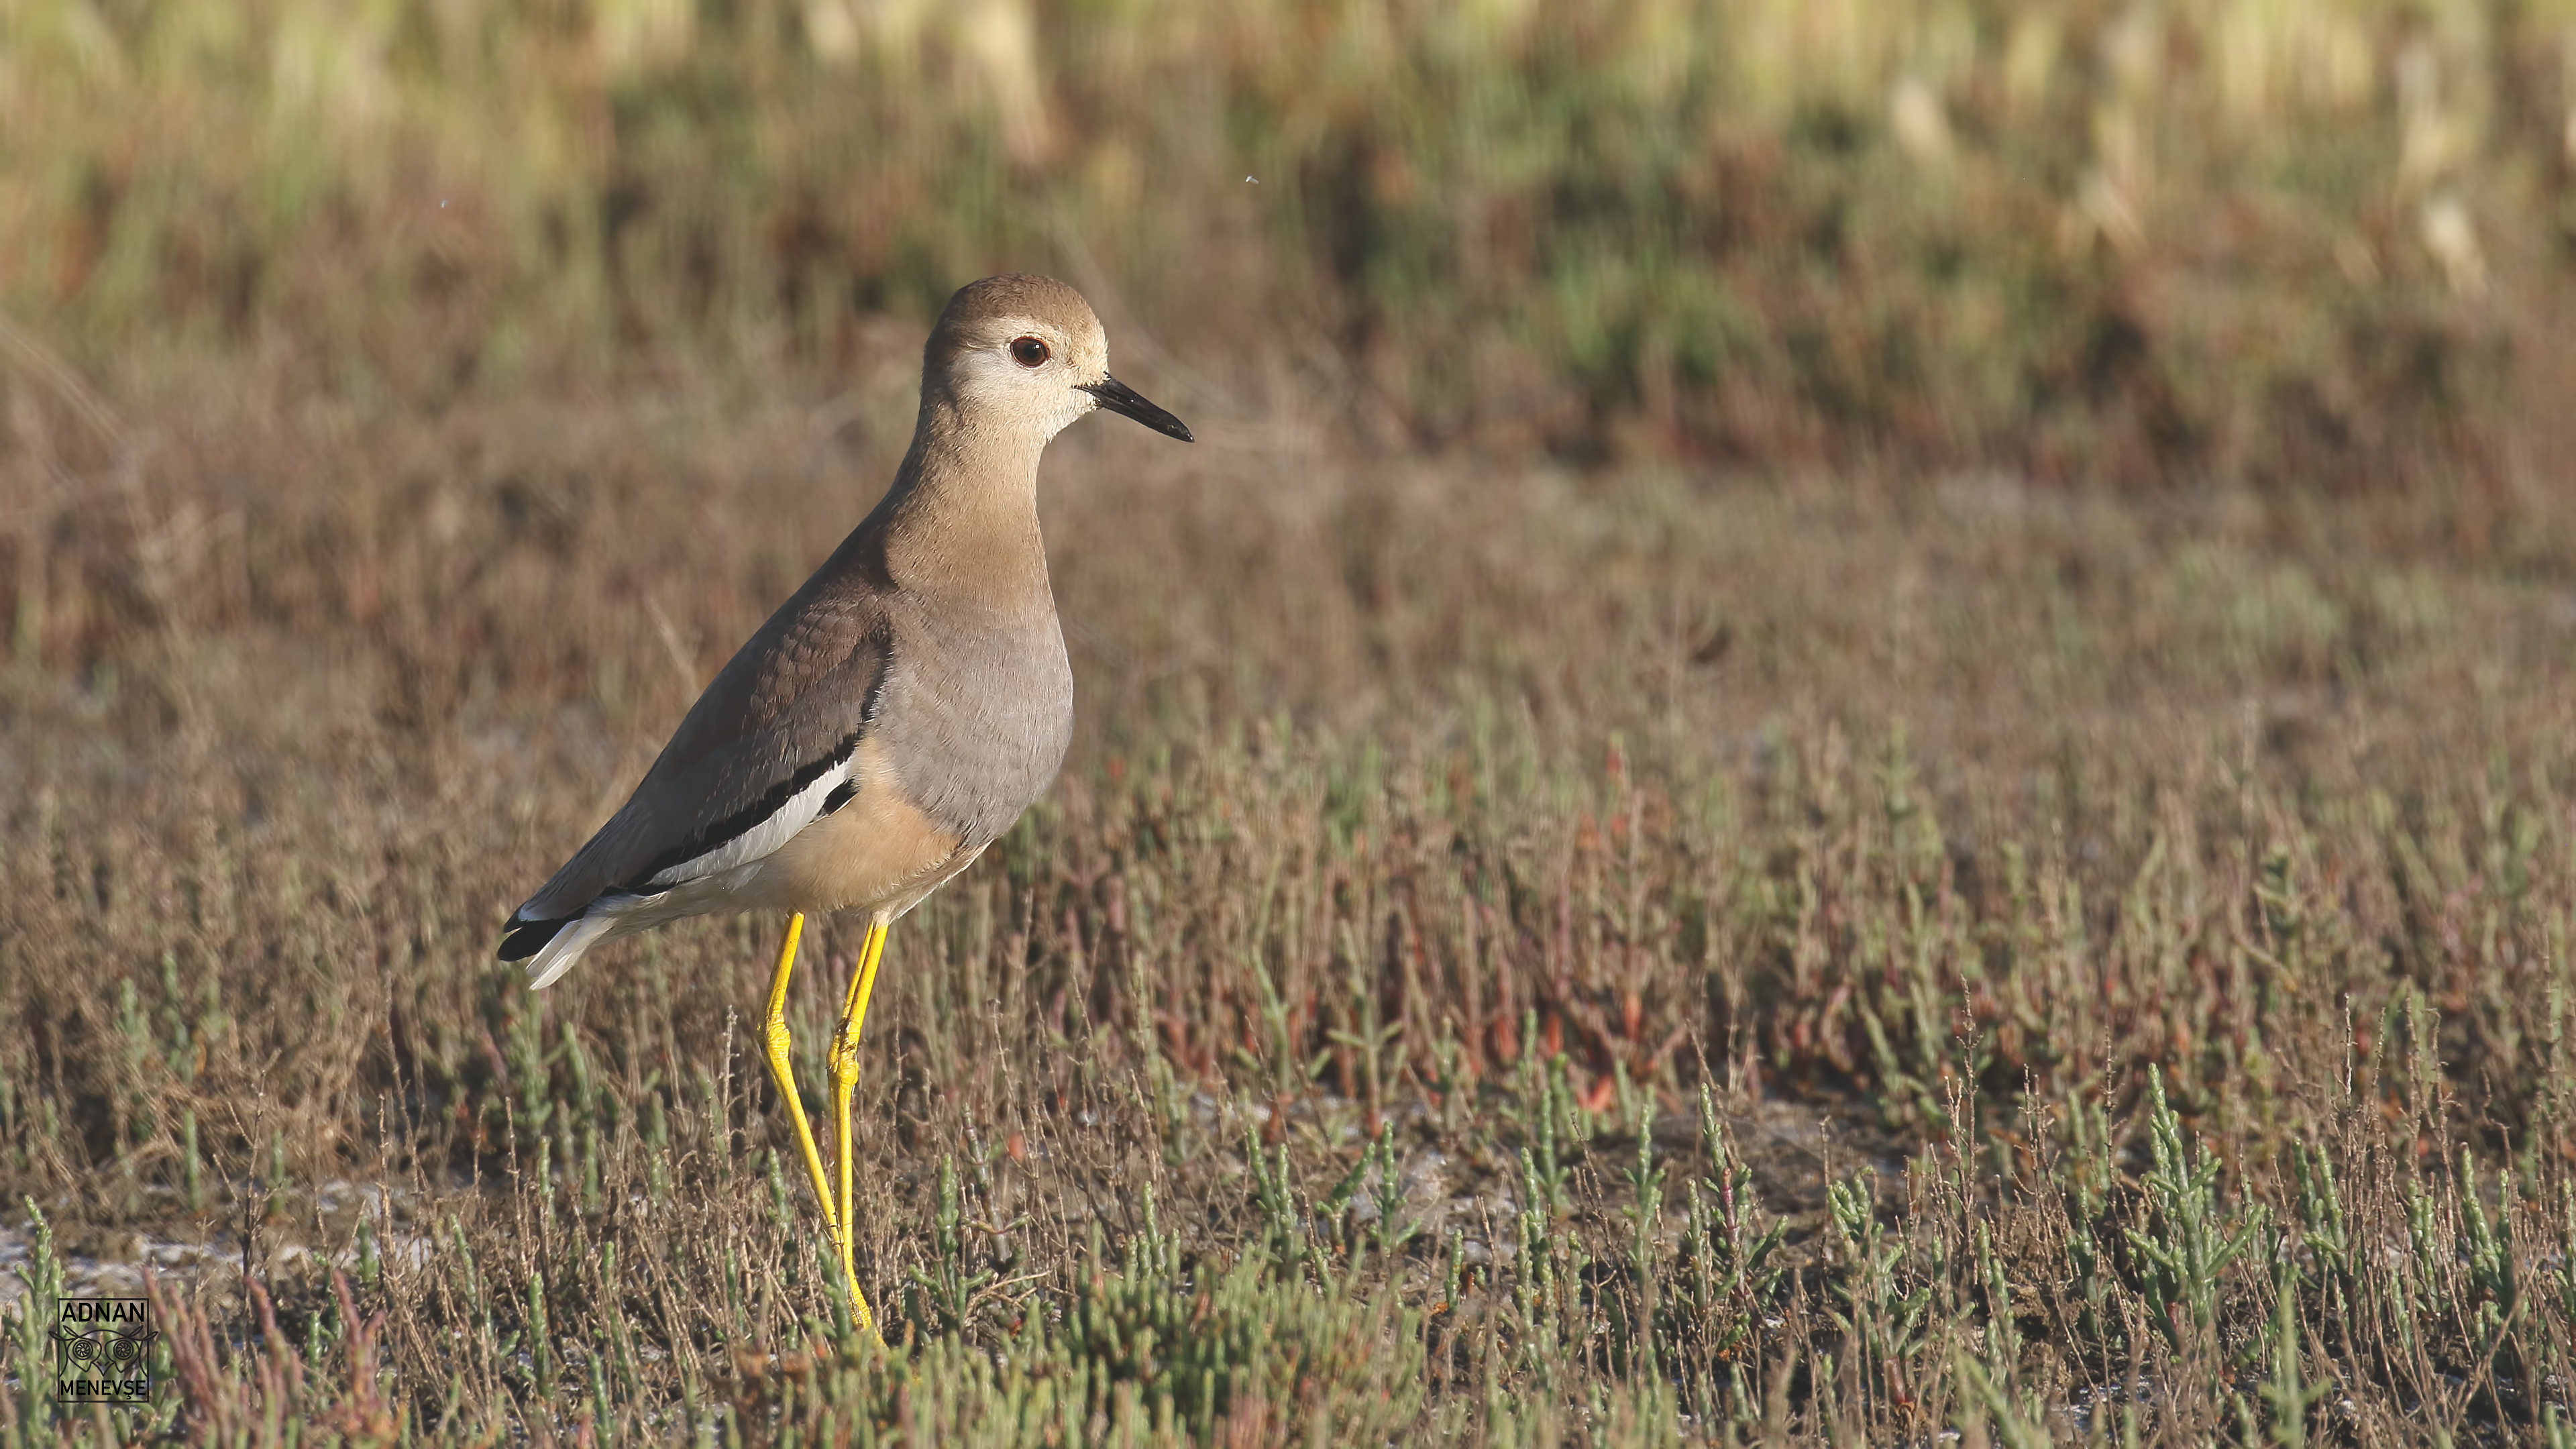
[{"x": 1028, "y": 352}]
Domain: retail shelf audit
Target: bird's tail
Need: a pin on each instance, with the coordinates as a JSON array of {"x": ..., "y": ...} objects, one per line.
[{"x": 551, "y": 947}]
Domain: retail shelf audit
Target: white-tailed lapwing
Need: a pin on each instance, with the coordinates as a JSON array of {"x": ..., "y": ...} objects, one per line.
[{"x": 891, "y": 719}]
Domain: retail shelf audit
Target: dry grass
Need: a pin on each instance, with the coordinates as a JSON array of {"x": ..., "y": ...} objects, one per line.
[{"x": 1495, "y": 808}]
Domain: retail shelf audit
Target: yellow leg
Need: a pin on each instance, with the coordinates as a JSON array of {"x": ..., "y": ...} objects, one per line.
[
  {"x": 782, "y": 1072},
  {"x": 845, "y": 1081}
]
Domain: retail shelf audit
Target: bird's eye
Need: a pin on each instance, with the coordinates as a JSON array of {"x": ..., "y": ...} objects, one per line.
[{"x": 1028, "y": 351}]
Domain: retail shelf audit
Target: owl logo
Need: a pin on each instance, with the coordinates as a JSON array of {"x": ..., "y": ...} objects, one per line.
[{"x": 104, "y": 1350}]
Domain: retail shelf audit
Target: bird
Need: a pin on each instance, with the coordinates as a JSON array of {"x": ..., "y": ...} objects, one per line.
[{"x": 893, "y": 718}]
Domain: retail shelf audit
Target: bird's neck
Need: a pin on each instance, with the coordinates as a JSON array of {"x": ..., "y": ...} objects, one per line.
[{"x": 969, "y": 497}]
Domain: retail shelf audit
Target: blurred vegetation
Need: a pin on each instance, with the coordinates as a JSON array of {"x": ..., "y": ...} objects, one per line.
[{"x": 2243, "y": 239}]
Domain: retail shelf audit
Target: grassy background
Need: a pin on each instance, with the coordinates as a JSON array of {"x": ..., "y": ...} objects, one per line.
[
  {"x": 1945, "y": 629},
  {"x": 2314, "y": 241}
]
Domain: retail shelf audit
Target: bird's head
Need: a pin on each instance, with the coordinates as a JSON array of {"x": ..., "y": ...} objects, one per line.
[{"x": 1027, "y": 350}]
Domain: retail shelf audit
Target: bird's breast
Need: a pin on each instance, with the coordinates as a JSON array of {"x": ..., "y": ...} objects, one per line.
[{"x": 976, "y": 728}]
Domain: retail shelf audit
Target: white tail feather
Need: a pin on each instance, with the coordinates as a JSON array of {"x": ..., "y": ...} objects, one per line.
[{"x": 559, "y": 954}]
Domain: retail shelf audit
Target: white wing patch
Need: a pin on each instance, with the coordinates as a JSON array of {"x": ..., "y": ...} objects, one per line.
[
  {"x": 760, "y": 841},
  {"x": 719, "y": 879}
]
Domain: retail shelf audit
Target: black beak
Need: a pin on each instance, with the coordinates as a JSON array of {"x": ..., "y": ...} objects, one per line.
[{"x": 1126, "y": 401}]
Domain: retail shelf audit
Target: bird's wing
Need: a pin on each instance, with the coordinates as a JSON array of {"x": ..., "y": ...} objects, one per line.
[{"x": 757, "y": 759}]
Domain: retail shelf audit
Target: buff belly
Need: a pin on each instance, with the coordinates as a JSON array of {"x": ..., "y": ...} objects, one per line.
[{"x": 878, "y": 853}]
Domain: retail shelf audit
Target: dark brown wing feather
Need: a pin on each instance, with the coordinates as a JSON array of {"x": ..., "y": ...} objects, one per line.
[{"x": 792, "y": 703}]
